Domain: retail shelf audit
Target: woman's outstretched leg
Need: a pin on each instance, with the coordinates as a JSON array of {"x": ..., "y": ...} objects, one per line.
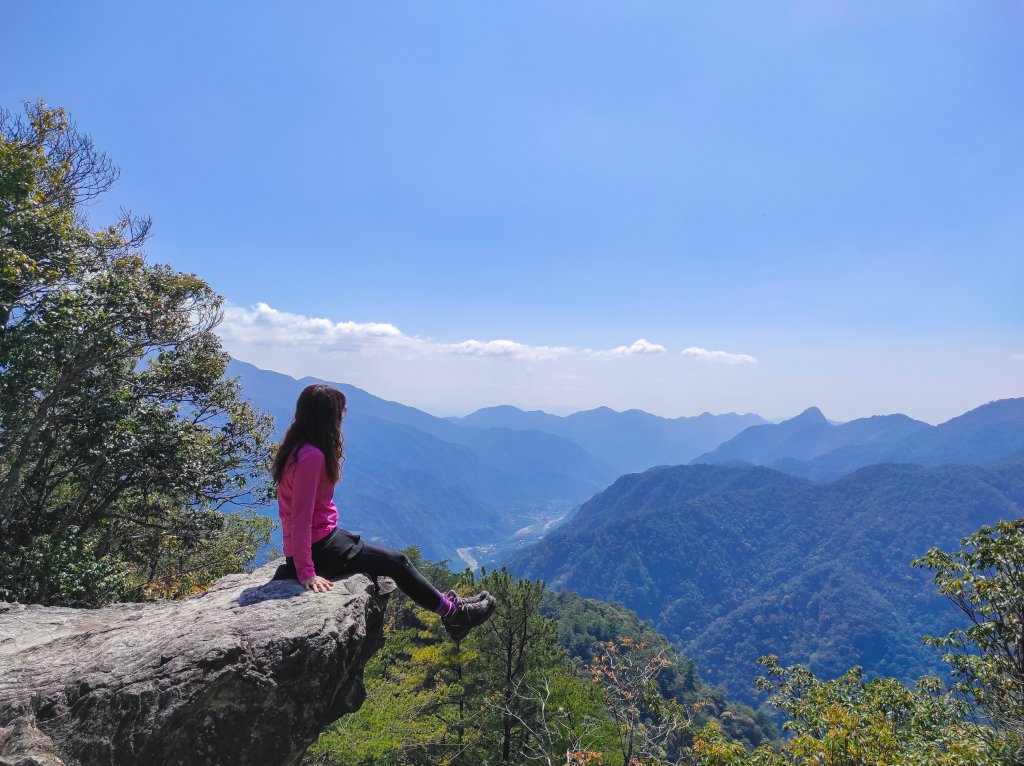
[
  {"x": 458, "y": 615},
  {"x": 378, "y": 561}
]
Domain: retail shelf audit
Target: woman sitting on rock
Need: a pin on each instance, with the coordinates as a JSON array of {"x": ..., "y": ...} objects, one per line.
[{"x": 306, "y": 468}]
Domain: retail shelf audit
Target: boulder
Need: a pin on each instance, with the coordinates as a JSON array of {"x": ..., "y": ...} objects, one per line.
[{"x": 249, "y": 672}]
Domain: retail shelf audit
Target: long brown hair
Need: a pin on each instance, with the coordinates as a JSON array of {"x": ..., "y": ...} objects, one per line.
[{"x": 317, "y": 421}]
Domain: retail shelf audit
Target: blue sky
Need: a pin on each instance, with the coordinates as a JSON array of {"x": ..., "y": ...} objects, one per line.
[{"x": 467, "y": 204}]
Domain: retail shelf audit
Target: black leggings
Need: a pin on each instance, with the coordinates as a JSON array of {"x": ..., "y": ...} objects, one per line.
[{"x": 332, "y": 558}]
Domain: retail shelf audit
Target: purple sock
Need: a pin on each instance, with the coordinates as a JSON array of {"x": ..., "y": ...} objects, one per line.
[{"x": 447, "y": 606}]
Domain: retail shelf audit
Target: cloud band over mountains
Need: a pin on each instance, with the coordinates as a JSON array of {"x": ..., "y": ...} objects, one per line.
[{"x": 265, "y": 325}]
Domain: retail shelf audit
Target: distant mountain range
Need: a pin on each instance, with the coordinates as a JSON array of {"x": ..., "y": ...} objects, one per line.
[
  {"x": 735, "y": 562},
  {"x": 481, "y": 482},
  {"x": 810, "y": 446},
  {"x": 450, "y": 484},
  {"x": 628, "y": 441}
]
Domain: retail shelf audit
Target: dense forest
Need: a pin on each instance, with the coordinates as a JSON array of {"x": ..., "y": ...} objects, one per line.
[{"x": 733, "y": 563}]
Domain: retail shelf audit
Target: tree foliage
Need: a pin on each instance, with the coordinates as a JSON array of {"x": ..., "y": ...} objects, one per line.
[
  {"x": 510, "y": 692},
  {"x": 649, "y": 727},
  {"x": 985, "y": 582},
  {"x": 853, "y": 721},
  {"x": 120, "y": 439}
]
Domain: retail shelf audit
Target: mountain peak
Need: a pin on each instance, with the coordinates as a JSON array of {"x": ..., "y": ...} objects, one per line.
[
  {"x": 498, "y": 408},
  {"x": 811, "y": 415}
]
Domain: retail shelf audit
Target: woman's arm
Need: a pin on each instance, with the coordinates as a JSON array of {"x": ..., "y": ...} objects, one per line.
[{"x": 309, "y": 468}]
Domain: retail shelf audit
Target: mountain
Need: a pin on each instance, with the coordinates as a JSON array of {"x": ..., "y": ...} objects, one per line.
[
  {"x": 628, "y": 441},
  {"x": 735, "y": 562},
  {"x": 809, "y": 446},
  {"x": 983, "y": 435},
  {"x": 410, "y": 478},
  {"x": 809, "y": 435}
]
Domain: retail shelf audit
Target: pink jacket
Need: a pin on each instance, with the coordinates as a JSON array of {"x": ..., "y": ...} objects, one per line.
[{"x": 305, "y": 502}]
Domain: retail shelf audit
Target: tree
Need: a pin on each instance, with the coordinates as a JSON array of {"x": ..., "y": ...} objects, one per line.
[
  {"x": 852, "y": 721},
  {"x": 648, "y": 725},
  {"x": 121, "y": 442},
  {"x": 516, "y": 645},
  {"x": 985, "y": 582},
  {"x": 48, "y": 172},
  {"x": 424, "y": 703},
  {"x": 565, "y": 723},
  {"x": 434, "y": 701}
]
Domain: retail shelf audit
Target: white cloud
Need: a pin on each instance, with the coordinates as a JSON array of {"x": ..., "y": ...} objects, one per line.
[
  {"x": 639, "y": 346},
  {"x": 506, "y": 348},
  {"x": 718, "y": 356},
  {"x": 263, "y": 325},
  {"x": 1018, "y": 357}
]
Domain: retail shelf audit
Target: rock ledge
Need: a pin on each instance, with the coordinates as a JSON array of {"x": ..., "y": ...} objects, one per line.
[{"x": 250, "y": 672}]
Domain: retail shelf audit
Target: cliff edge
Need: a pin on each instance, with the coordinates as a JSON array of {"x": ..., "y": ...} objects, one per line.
[{"x": 248, "y": 673}]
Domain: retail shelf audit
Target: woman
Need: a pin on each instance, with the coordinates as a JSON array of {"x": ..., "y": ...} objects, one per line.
[{"x": 306, "y": 468}]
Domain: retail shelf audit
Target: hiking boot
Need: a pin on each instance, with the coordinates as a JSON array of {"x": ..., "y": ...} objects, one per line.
[
  {"x": 455, "y": 597},
  {"x": 468, "y": 614}
]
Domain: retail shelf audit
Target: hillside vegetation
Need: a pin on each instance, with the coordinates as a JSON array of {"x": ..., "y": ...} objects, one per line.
[
  {"x": 732, "y": 563},
  {"x": 529, "y": 686}
]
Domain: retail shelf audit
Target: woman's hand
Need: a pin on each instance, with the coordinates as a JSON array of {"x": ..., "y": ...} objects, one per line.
[{"x": 318, "y": 583}]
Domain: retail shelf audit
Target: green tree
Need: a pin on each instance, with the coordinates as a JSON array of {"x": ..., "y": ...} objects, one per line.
[
  {"x": 121, "y": 442},
  {"x": 985, "y": 582},
  {"x": 516, "y": 646},
  {"x": 434, "y": 701},
  {"x": 852, "y": 721},
  {"x": 48, "y": 172},
  {"x": 424, "y": 702}
]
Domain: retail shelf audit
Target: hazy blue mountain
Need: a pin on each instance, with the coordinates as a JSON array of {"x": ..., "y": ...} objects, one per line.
[
  {"x": 507, "y": 416},
  {"x": 983, "y": 435},
  {"x": 629, "y": 441},
  {"x": 810, "y": 435},
  {"x": 735, "y": 562},
  {"x": 411, "y": 478},
  {"x": 810, "y": 447}
]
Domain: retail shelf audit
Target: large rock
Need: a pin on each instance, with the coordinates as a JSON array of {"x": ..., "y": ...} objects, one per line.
[{"x": 247, "y": 673}]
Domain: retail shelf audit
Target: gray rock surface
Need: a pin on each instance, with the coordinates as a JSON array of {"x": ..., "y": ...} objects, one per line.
[{"x": 248, "y": 673}]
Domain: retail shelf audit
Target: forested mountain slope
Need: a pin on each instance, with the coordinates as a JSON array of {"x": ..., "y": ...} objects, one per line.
[{"x": 735, "y": 562}]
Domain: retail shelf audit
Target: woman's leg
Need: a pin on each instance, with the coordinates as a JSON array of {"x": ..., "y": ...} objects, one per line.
[{"x": 378, "y": 561}]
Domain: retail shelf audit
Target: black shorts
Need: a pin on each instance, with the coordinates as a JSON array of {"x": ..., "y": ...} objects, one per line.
[{"x": 331, "y": 555}]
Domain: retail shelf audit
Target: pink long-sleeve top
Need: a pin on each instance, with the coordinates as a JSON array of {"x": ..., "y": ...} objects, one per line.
[{"x": 305, "y": 502}]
